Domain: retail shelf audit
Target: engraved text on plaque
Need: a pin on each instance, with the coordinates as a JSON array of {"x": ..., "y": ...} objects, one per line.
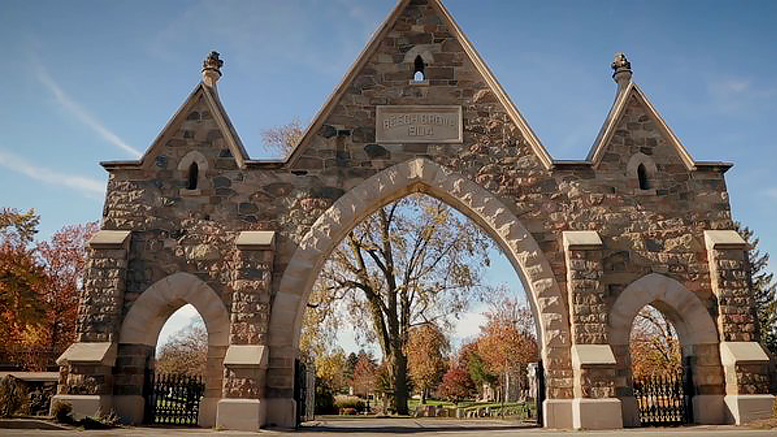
[{"x": 418, "y": 124}]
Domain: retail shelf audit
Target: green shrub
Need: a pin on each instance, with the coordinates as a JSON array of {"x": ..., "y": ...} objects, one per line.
[
  {"x": 325, "y": 400},
  {"x": 344, "y": 401}
]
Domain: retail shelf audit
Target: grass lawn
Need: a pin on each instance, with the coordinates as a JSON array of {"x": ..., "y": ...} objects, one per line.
[{"x": 412, "y": 404}]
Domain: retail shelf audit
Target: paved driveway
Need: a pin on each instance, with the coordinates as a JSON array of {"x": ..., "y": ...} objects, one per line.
[{"x": 425, "y": 427}]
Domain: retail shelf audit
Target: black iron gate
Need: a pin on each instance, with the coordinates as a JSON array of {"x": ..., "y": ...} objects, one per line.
[
  {"x": 665, "y": 400},
  {"x": 304, "y": 390},
  {"x": 540, "y": 375},
  {"x": 173, "y": 399}
]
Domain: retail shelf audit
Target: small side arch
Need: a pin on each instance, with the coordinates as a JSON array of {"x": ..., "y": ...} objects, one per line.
[
  {"x": 696, "y": 331},
  {"x": 140, "y": 332},
  {"x": 684, "y": 309},
  {"x": 151, "y": 310}
]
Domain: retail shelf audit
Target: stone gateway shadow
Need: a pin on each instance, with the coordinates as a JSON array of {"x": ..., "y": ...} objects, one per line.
[{"x": 197, "y": 221}]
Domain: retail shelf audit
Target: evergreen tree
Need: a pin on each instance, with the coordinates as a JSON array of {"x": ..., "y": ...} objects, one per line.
[{"x": 764, "y": 291}]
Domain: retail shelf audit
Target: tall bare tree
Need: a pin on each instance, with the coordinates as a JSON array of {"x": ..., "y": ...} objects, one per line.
[
  {"x": 282, "y": 139},
  {"x": 413, "y": 261}
]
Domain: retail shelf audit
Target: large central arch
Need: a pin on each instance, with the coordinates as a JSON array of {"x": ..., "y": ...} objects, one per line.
[{"x": 417, "y": 175}]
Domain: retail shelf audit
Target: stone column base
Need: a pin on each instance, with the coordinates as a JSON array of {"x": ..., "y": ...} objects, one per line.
[
  {"x": 241, "y": 414},
  {"x": 597, "y": 413},
  {"x": 85, "y": 405},
  {"x": 130, "y": 408},
  {"x": 708, "y": 410},
  {"x": 557, "y": 413},
  {"x": 281, "y": 413},
  {"x": 208, "y": 409},
  {"x": 742, "y": 409}
]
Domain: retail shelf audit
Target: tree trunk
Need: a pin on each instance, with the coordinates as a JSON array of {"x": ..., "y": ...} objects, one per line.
[{"x": 400, "y": 383}]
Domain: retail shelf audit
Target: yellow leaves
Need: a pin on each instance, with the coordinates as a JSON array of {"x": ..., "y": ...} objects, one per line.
[
  {"x": 654, "y": 346},
  {"x": 426, "y": 349},
  {"x": 331, "y": 370}
]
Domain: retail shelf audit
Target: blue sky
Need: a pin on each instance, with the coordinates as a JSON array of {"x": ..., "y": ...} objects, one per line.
[{"x": 86, "y": 81}]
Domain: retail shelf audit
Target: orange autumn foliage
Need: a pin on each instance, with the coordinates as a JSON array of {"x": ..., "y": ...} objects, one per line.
[{"x": 39, "y": 288}]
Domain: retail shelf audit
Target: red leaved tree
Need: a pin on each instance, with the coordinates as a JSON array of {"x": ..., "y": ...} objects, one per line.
[
  {"x": 39, "y": 287},
  {"x": 364, "y": 375},
  {"x": 654, "y": 346},
  {"x": 64, "y": 259},
  {"x": 456, "y": 385},
  {"x": 22, "y": 279}
]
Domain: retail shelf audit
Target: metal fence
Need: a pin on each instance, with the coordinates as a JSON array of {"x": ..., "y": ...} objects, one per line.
[
  {"x": 664, "y": 400},
  {"x": 173, "y": 399}
]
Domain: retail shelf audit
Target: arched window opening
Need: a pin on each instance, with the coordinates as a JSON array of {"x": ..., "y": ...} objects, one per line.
[
  {"x": 450, "y": 287},
  {"x": 193, "y": 176},
  {"x": 418, "y": 71},
  {"x": 644, "y": 183}
]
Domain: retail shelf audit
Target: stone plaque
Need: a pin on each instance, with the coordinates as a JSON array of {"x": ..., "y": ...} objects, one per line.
[{"x": 418, "y": 124}]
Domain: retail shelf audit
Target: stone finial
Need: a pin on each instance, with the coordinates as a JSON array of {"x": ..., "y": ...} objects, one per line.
[
  {"x": 211, "y": 69},
  {"x": 621, "y": 69}
]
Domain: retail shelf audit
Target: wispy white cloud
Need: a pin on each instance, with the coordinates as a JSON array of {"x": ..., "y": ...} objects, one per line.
[
  {"x": 282, "y": 33},
  {"x": 772, "y": 192},
  {"x": 87, "y": 186},
  {"x": 733, "y": 95},
  {"x": 70, "y": 105},
  {"x": 734, "y": 86}
]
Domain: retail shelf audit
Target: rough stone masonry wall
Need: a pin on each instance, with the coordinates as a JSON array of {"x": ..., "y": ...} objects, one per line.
[
  {"x": 735, "y": 302},
  {"x": 736, "y": 321},
  {"x": 586, "y": 296},
  {"x": 99, "y": 316},
  {"x": 132, "y": 364},
  {"x": 250, "y": 315},
  {"x": 194, "y": 233},
  {"x": 99, "y": 310}
]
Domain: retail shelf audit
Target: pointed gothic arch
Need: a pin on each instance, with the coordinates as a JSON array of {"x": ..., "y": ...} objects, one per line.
[
  {"x": 141, "y": 327},
  {"x": 421, "y": 175},
  {"x": 696, "y": 331}
]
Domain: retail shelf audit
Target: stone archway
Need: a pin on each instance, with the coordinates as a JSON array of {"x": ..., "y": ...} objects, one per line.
[
  {"x": 419, "y": 175},
  {"x": 140, "y": 332},
  {"x": 697, "y": 334}
]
